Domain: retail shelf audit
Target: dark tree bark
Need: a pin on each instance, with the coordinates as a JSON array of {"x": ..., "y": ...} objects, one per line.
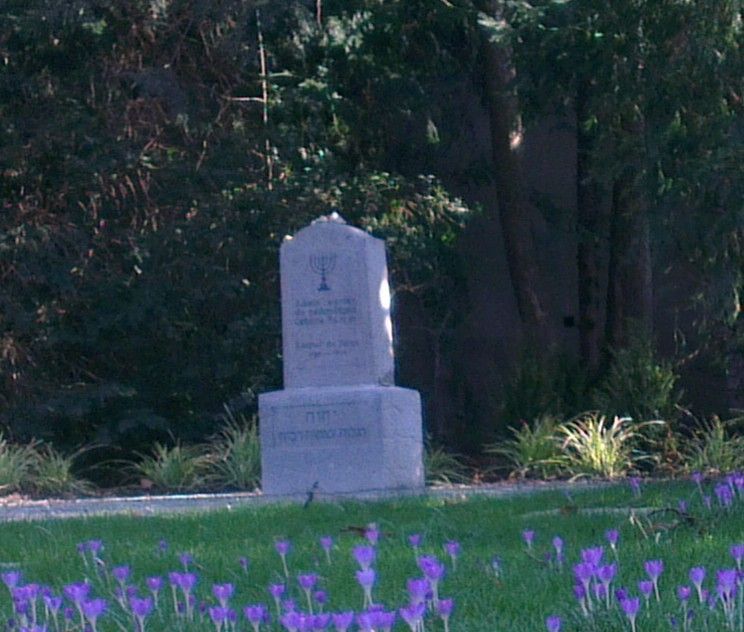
[
  {"x": 630, "y": 283},
  {"x": 591, "y": 226},
  {"x": 513, "y": 208}
]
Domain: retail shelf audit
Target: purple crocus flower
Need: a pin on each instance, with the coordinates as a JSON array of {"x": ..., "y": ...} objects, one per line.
[
  {"x": 291, "y": 621},
  {"x": 141, "y": 609},
  {"x": 683, "y": 593},
  {"x": 372, "y": 534},
  {"x": 697, "y": 576},
  {"x": 223, "y": 592},
  {"x": 244, "y": 563},
  {"x": 682, "y": 506},
  {"x": 277, "y": 590},
  {"x": 584, "y": 572},
  {"x": 612, "y": 536},
  {"x": 444, "y": 609},
  {"x": 219, "y": 615},
  {"x": 630, "y": 608},
  {"x": 77, "y": 592},
  {"x": 121, "y": 573},
  {"x": 12, "y": 578},
  {"x": 553, "y": 623},
  {"x": 592, "y": 555},
  {"x": 431, "y": 567},
  {"x": 307, "y": 581},
  {"x": 413, "y": 615},
  {"x": 342, "y": 621},
  {"x": 52, "y": 603},
  {"x": 365, "y": 621},
  {"x": 366, "y": 579},
  {"x": 635, "y": 485},
  {"x": 365, "y": 556},
  {"x": 606, "y": 574},
  {"x": 726, "y": 589},
  {"x": 256, "y": 614},
  {"x": 646, "y": 587},
  {"x": 654, "y": 569},
  {"x": 320, "y": 597},
  {"x": 326, "y": 543},
  {"x": 727, "y": 579},
  {"x": 320, "y": 622},
  {"x": 737, "y": 552},
  {"x": 283, "y": 548},
  {"x": 386, "y": 621},
  {"x": 418, "y": 589},
  {"x": 528, "y": 535},
  {"x": 452, "y": 548},
  {"x": 185, "y": 559},
  {"x": 92, "y": 610},
  {"x": 724, "y": 495},
  {"x": 154, "y": 584},
  {"x": 415, "y": 540},
  {"x": 558, "y": 546},
  {"x": 697, "y": 478},
  {"x": 186, "y": 581}
]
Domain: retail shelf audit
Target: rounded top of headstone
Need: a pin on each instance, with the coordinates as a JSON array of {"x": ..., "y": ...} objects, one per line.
[
  {"x": 331, "y": 217},
  {"x": 330, "y": 227}
]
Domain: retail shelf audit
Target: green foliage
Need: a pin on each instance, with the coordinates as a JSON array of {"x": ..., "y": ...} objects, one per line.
[
  {"x": 54, "y": 473},
  {"x": 542, "y": 384},
  {"x": 442, "y": 467},
  {"x": 593, "y": 447},
  {"x": 638, "y": 384},
  {"x": 533, "y": 450},
  {"x": 140, "y": 234},
  {"x": 17, "y": 464},
  {"x": 715, "y": 447},
  {"x": 235, "y": 454},
  {"x": 174, "y": 468}
]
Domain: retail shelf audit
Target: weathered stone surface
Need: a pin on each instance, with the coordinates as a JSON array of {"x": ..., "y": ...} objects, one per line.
[
  {"x": 343, "y": 438},
  {"x": 336, "y": 325},
  {"x": 339, "y": 425}
]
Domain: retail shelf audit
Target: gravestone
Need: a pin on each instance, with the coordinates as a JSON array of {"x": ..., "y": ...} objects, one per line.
[{"x": 340, "y": 425}]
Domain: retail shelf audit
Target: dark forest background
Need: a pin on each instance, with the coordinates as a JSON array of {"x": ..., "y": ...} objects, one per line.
[{"x": 559, "y": 184}]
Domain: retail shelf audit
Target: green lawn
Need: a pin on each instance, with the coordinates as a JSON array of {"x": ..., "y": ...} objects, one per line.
[{"x": 527, "y": 589}]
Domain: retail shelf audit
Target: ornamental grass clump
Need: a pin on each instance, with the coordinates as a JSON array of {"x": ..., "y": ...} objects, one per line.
[
  {"x": 174, "y": 468},
  {"x": 234, "y": 455},
  {"x": 533, "y": 450},
  {"x": 594, "y": 447},
  {"x": 16, "y": 465}
]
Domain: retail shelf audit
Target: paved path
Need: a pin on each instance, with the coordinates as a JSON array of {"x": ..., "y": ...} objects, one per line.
[{"x": 19, "y": 509}]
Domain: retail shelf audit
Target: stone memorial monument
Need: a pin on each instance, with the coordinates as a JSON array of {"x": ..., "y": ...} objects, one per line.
[{"x": 340, "y": 424}]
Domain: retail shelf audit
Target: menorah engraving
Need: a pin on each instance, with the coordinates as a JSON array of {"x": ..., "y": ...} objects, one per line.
[{"x": 323, "y": 264}]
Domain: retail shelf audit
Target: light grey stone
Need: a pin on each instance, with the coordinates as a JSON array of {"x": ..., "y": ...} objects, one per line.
[
  {"x": 340, "y": 439},
  {"x": 339, "y": 425},
  {"x": 336, "y": 326}
]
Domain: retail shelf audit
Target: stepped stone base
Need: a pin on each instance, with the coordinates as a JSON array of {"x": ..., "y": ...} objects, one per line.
[{"x": 340, "y": 439}]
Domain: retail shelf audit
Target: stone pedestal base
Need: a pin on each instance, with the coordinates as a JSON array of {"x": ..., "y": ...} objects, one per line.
[{"x": 342, "y": 438}]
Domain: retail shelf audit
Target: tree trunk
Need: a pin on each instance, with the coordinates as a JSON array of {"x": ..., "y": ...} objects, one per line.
[
  {"x": 630, "y": 288},
  {"x": 513, "y": 209},
  {"x": 591, "y": 228},
  {"x": 735, "y": 369}
]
